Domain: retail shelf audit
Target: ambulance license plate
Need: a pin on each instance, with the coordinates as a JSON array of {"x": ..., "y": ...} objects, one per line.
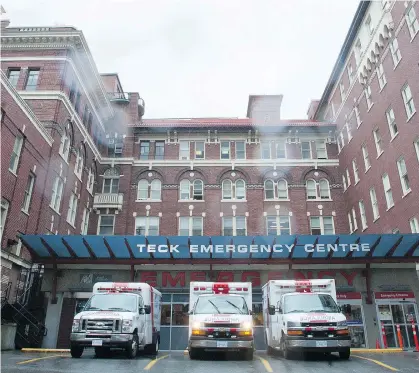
[
  {"x": 221, "y": 344},
  {"x": 321, "y": 343},
  {"x": 96, "y": 342}
]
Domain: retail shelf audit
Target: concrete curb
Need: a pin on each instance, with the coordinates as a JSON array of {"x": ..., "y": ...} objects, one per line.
[
  {"x": 377, "y": 351},
  {"x": 45, "y": 350}
]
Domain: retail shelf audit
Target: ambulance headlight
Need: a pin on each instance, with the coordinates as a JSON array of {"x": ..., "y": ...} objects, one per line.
[
  {"x": 197, "y": 325},
  {"x": 247, "y": 325},
  {"x": 76, "y": 326},
  {"x": 126, "y": 326}
]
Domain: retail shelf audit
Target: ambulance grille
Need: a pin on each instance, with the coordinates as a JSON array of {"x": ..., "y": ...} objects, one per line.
[
  {"x": 221, "y": 325},
  {"x": 102, "y": 326}
]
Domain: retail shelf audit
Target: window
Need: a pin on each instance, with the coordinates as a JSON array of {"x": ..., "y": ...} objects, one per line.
[
  {"x": 28, "y": 193},
  {"x": 78, "y": 168},
  {"x": 351, "y": 228},
  {"x": 282, "y": 189},
  {"x": 348, "y": 177},
  {"x": 111, "y": 181},
  {"x": 150, "y": 191},
  {"x": 306, "y": 150},
  {"x": 367, "y": 163},
  {"x": 321, "y": 149},
  {"x": 339, "y": 142},
  {"x": 278, "y": 225},
  {"x": 13, "y": 75},
  {"x": 85, "y": 221},
  {"x": 65, "y": 145},
  {"x": 409, "y": 105},
  {"x": 311, "y": 189},
  {"x": 381, "y": 76},
  {"x": 159, "y": 154},
  {"x": 199, "y": 150},
  {"x": 225, "y": 150},
  {"x": 90, "y": 181},
  {"x": 265, "y": 150},
  {"x": 85, "y": 114},
  {"x": 344, "y": 183},
  {"x": 198, "y": 190},
  {"x": 387, "y": 191},
  {"x": 276, "y": 190},
  {"x": 363, "y": 215},
  {"x": 342, "y": 140},
  {"x": 57, "y": 192},
  {"x": 374, "y": 204},
  {"x": 240, "y": 150},
  {"x": 77, "y": 102},
  {"x": 184, "y": 150},
  {"x": 357, "y": 116},
  {"x": 147, "y": 226},
  {"x": 355, "y": 169},
  {"x": 358, "y": 50},
  {"x": 4, "y": 211},
  {"x": 235, "y": 190},
  {"x": 322, "y": 225},
  {"x": 354, "y": 219},
  {"x": 404, "y": 178},
  {"x": 106, "y": 225},
  {"x": 144, "y": 149},
  {"x": 412, "y": 22},
  {"x": 32, "y": 81},
  {"x": 17, "y": 149},
  {"x": 350, "y": 73},
  {"x": 280, "y": 150},
  {"x": 369, "y": 26},
  {"x": 191, "y": 226},
  {"x": 414, "y": 225},
  {"x": 322, "y": 191},
  {"x": 342, "y": 90},
  {"x": 416, "y": 145},
  {"x": 72, "y": 209},
  {"x": 194, "y": 189},
  {"x": 395, "y": 52},
  {"x": 72, "y": 94},
  {"x": 378, "y": 142},
  {"x": 391, "y": 120},
  {"x": 185, "y": 190},
  {"x": 269, "y": 189},
  {"x": 348, "y": 132},
  {"x": 368, "y": 96},
  {"x": 234, "y": 226}
]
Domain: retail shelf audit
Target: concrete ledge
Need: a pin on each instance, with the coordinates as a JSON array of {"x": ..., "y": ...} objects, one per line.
[
  {"x": 376, "y": 350},
  {"x": 45, "y": 350}
]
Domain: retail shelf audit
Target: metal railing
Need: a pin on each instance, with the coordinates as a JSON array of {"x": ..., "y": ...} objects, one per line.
[
  {"x": 108, "y": 200},
  {"x": 118, "y": 96}
]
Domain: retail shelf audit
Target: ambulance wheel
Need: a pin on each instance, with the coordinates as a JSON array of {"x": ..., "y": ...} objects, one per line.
[
  {"x": 76, "y": 351},
  {"x": 132, "y": 348},
  {"x": 345, "y": 354},
  {"x": 286, "y": 353},
  {"x": 248, "y": 354},
  {"x": 194, "y": 353},
  {"x": 102, "y": 352}
]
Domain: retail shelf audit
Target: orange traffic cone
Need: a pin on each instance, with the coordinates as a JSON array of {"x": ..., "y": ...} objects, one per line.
[{"x": 377, "y": 344}]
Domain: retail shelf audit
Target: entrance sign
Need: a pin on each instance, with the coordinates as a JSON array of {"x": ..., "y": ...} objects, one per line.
[{"x": 394, "y": 295}]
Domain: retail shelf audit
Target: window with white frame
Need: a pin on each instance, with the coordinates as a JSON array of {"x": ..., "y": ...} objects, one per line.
[
  {"x": 391, "y": 120},
  {"x": 184, "y": 150},
  {"x": 356, "y": 172},
  {"x": 348, "y": 131},
  {"x": 278, "y": 225},
  {"x": 348, "y": 177},
  {"x": 320, "y": 225},
  {"x": 363, "y": 215},
  {"x": 240, "y": 150},
  {"x": 345, "y": 186},
  {"x": 111, "y": 181},
  {"x": 387, "y": 191},
  {"x": 365, "y": 155},
  {"x": 72, "y": 209},
  {"x": 4, "y": 210},
  {"x": 320, "y": 190},
  {"x": 354, "y": 219},
  {"x": 395, "y": 52},
  {"x": 281, "y": 149},
  {"x": 85, "y": 221},
  {"x": 378, "y": 142},
  {"x": 414, "y": 225},
  {"x": 225, "y": 150},
  {"x": 276, "y": 189},
  {"x": 265, "y": 150},
  {"x": 90, "y": 181},
  {"x": 368, "y": 96},
  {"x": 416, "y": 146},
  {"x": 57, "y": 193},
  {"x": 381, "y": 76},
  {"x": 28, "y": 193},
  {"x": 65, "y": 145},
  {"x": 191, "y": 190},
  {"x": 374, "y": 204},
  {"x": 342, "y": 90},
  {"x": 404, "y": 177},
  {"x": 339, "y": 144},
  {"x": 106, "y": 225},
  {"x": 17, "y": 149},
  {"x": 357, "y": 116},
  {"x": 306, "y": 150},
  {"x": 199, "y": 149},
  {"x": 321, "y": 149},
  {"x": 412, "y": 22},
  {"x": 351, "y": 227},
  {"x": 78, "y": 168},
  {"x": 149, "y": 191},
  {"x": 191, "y": 226},
  {"x": 144, "y": 149},
  {"x": 147, "y": 226},
  {"x": 342, "y": 139},
  {"x": 409, "y": 105},
  {"x": 234, "y": 190},
  {"x": 358, "y": 50},
  {"x": 350, "y": 73},
  {"x": 234, "y": 226},
  {"x": 368, "y": 25}
]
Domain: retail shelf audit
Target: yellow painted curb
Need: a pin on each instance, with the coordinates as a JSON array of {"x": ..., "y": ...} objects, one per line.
[
  {"x": 377, "y": 351},
  {"x": 45, "y": 350}
]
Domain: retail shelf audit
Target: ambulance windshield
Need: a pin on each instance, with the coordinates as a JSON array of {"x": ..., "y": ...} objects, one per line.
[
  {"x": 306, "y": 303},
  {"x": 225, "y": 304},
  {"x": 112, "y": 302}
]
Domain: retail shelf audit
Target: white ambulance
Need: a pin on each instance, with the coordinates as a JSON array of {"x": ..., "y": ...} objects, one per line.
[
  {"x": 220, "y": 318},
  {"x": 118, "y": 315},
  {"x": 304, "y": 316}
]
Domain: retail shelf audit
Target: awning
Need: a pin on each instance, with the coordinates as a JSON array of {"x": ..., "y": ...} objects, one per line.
[{"x": 369, "y": 248}]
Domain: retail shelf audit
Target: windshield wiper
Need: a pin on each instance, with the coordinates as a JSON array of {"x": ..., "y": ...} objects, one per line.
[
  {"x": 324, "y": 311},
  {"x": 296, "y": 311},
  {"x": 119, "y": 309},
  {"x": 214, "y": 306},
  {"x": 93, "y": 308},
  {"x": 237, "y": 308}
]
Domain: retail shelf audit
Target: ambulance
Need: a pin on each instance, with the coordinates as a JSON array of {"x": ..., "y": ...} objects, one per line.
[
  {"x": 304, "y": 316},
  {"x": 220, "y": 318},
  {"x": 118, "y": 315}
]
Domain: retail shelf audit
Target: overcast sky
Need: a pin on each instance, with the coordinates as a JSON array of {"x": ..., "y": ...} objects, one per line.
[{"x": 201, "y": 58}]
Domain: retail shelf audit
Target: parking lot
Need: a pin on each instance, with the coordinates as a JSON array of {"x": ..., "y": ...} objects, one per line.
[{"x": 168, "y": 362}]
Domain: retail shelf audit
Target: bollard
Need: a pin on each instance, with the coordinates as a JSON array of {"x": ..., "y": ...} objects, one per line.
[
  {"x": 384, "y": 336},
  {"x": 377, "y": 344},
  {"x": 399, "y": 336},
  {"x": 415, "y": 337}
]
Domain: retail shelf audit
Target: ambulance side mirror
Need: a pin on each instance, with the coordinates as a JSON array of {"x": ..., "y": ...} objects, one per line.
[
  {"x": 147, "y": 310},
  {"x": 271, "y": 310}
]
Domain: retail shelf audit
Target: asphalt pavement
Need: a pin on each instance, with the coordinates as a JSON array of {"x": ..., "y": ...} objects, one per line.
[{"x": 174, "y": 362}]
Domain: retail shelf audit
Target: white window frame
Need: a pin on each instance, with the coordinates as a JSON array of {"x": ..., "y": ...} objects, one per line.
[
  {"x": 368, "y": 25},
  {"x": 5, "y": 204},
  {"x": 321, "y": 220},
  {"x": 358, "y": 50},
  {"x": 100, "y": 221},
  {"x": 78, "y": 167},
  {"x": 349, "y": 132},
  {"x": 27, "y": 199},
  {"x": 363, "y": 215},
  {"x": 366, "y": 157},
  {"x": 355, "y": 222},
  {"x": 416, "y": 146},
  {"x": 323, "y": 148},
  {"x": 187, "y": 144},
  {"x": 368, "y": 96},
  {"x": 412, "y": 22},
  {"x": 277, "y": 219},
  {"x": 84, "y": 226},
  {"x": 342, "y": 90},
  {"x": 190, "y": 186},
  {"x": 311, "y": 150},
  {"x": 234, "y": 225},
  {"x": 391, "y": 121},
  {"x": 65, "y": 143},
  {"x": 409, "y": 104},
  {"x": 374, "y": 204},
  {"x": 57, "y": 194},
  {"x": 382, "y": 81},
  {"x": 318, "y": 194},
  {"x": 201, "y": 157},
  {"x": 113, "y": 180},
  {"x": 149, "y": 187},
  {"x": 348, "y": 177},
  {"x": 351, "y": 227},
  {"x": 350, "y": 72},
  {"x": 345, "y": 186},
  {"x": 387, "y": 191},
  {"x": 191, "y": 220},
  {"x": 395, "y": 52},
  {"x": 378, "y": 142},
  {"x": 16, "y": 153},
  {"x": 414, "y": 224},
  {"x": 221, "y": 149},
  {"x": 262, "y": 149},
  {"x": 72, "y": 209},
  {"x": 356, "y": 171},
  {"x": 90, "y": 181},
  {"x": 244, "y": 149},
  {"x": 278, "y": 143},
  {"x": 404, "y": 176},
  {"x": 147, "y": 220},
  {"x": 233, "y": 190},
  {"x": 357, "y": 116},
  {"x": 275, "y": 189}
]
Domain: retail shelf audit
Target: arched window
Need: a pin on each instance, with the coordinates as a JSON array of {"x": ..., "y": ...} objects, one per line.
[
  {"x": 185, "y": 190},
  {"x": 146, "y": 191},
  {"x": 198, "y": 190},
  {"x": 111, "y": 181},
  {"x": 142, "y": 190},
  {"x": 227, "y": 189},
  {"x": 90, "y": 180},
  {"x": 276, "y": 190},
  {"x": 320, "y": 190},
  {"x": 235, "y": 190},
  {"x": 155, "y": 190},
  {"x": 57, "y": 193},
  {"x": 78, "y": 168},
  {"x": 192, "y": 188},
  {"x": 240, "y": 189},
  {"x": 269, "y": 189},
  {"x": 324, "y": 189},
  {"x": 65, "y": 144},
  {"x": 311, "y": 189},
  {"x": 282, "y": 189}
]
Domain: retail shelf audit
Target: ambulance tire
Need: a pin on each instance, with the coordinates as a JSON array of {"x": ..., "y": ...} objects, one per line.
[
  {"x": 286, "y": 353},
  {"x": 345, "y": 354},
  {"x": 132, "y": 348},
  {"x": 248, "y": 354},
  {"x": 102, "y": 352},
  {"x": 76, "y": 351},
  {"x": 194, "y": 353}
]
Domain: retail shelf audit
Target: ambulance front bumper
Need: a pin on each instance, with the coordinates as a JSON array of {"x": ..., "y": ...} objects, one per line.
[
  {"x": 332, "y": 344},
  {"x": 221, "y": 344},
  {"x": 108, "y": 340}
]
